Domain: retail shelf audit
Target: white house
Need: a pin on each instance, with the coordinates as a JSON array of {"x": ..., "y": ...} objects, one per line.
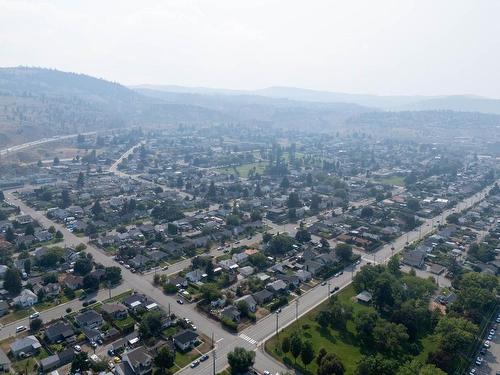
[{"x": 26, "y": 299}]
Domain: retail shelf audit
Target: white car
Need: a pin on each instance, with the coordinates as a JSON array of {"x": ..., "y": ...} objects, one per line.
[
  {"x": 77, "y": 348},
  {"x": 486, "y": 344},
  {"x": 20, "y": 329},
  {"x": 35, "y": 315}
]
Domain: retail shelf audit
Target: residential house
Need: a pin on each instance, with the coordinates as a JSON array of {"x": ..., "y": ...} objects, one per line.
[
  {"x": 26, "y": 299},
  {"x": 364, "y": 297},
  {"x": 60, "y": 331},
  {"x": 73, "y": 282},
  {"x": 185, "y": 340},
  {"x": 139, "y": 261},
  {"x": 89, "y": 319},
  {"x": 278, "y": 286},
  {"x": 195, "y": 276},
  {"x": 231, "y": 312},
  {"x": 262, "y": 297},
  {"x": 249, "y": 300},
  {"x": 91, "y": 334},
  {"x": 4, "y": 308},
  {"x": 303, "y": 275},
  {"x": 136, "y": 361},
  {"x": 116, "y": 311},
  {"x": 4, "y": 362},
  {"x": 415, "y": 258},
  {"x": 28, "y": 345}
]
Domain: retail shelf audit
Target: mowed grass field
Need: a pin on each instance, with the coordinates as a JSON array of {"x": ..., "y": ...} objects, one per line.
[
  {"x": 344, "y": 344},
  {"x": 244, "y": 169}
]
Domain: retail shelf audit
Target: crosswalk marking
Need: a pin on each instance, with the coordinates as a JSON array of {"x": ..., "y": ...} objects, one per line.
[{"x": 249, "y": 339}]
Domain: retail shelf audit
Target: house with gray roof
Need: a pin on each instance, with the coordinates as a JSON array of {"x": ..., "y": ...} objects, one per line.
[{"x": 28, "y": 345}]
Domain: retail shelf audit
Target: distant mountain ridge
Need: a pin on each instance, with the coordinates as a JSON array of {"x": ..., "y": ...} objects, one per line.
[
  {"x": 463, "y": 103},
  {"x": 38, "y": 102}
]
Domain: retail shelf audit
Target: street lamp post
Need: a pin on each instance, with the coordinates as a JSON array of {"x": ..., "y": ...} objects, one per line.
[
  {"x": 277, "y": 324},
  {"x": 296, "y": 309}
]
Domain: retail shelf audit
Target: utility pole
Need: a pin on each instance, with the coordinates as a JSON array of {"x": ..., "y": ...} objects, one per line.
[
  {"x": 214, "y": 355},
  {"x": 277, "y": 315},
  {"x": 109, "y": 289},
  {"x": 169, "y": 309},
  {"x": 213, "y": 344}
]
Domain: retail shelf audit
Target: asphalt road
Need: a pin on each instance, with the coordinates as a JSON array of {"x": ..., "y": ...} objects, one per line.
[{"x": 14, "y": 149}]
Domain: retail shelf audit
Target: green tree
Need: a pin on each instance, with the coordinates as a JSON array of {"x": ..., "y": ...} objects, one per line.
[
  {"x": 35, "y": 325},
  {"x": 9, "y": 235},
  {"x": 416, "y": 367},
  {"x": 29, "y": 230},
  {"x": 27, "y": 266},
  {"x": 293, "y": 200},
  {"x": 365, "y": 323},
  {"x": 330, "y": 364},
  {"x": 240, "y": 360},
  {"x": 302, "y": 235},
  {"x": 389, "y": 337},
  {"x": 413, "y": 204},
  {"x": 12, "y": 281},
  {"x": 307, "y": 353},
  {"x": 164, "y": 358},
  {"x": 393, "y": 266},
  {"x": 344, "y": 251},
  {"x": 285, "y": 344},
  {"x": 150, "y": 324},
  {"x": 376, "y": 365},
  {"x": 96, "y": 208},
  {"x": 295, "y": 345},
  {"x": 281, "y": 244},
  {"x": 65, "y": 199},
  {"x": 80, "y": 363},
  {"x": 210, "y": 292},
  {"x": 59, "y": 235},
  {"x": 83, "y": 266},
  {"x": 113, "y": 275}
]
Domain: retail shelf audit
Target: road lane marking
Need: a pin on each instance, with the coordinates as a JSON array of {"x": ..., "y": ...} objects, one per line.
[{"x": 249, "y": 339}]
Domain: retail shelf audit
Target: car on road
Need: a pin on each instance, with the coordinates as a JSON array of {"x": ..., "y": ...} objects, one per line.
[
  {"x": 204, "y": 357},
  {"x": 164, "y": 268},
  {"x": 77, "y": 348},
  {"x": 237, "y": 243},
  {"x": 323, "y": 283},
  {"x": 20, "y": 329},
  {"x": 180, "y": 302},
  {"x": 193, "y": 327},
  {"x": 266, "y": 373},
  {"x": 35, "y": 315},
  {"x": 335, "y": 289},
  {"x": 357, "y": 262},
  {"x": 195, "y": 363}
]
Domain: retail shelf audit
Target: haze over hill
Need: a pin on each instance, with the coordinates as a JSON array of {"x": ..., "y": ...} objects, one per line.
[
  {"x": 36, "y": 102},
  {"x": 465, "y": 103}
]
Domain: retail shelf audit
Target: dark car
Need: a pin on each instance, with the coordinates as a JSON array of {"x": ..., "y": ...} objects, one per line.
[{"x": 204, "y": 357}]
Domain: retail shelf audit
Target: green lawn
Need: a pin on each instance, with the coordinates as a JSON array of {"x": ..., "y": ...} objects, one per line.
[
  {"x": 124, "y": 323},
  {"x": 15, "y": 315},
  {"x": 244, "y": 169},
  {"x": 184, "y": 359},
  {"x": 344, "y": 344},
  {"x": 394, "y": 180}
]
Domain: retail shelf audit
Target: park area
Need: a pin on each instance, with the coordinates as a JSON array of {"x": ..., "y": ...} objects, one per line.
[{"x": 393, "y": 332}]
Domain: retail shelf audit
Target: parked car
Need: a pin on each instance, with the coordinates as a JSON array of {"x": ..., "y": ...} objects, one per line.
[
  {"x": 486, "y": 344},
  {"x": 195, "y": 363},
  {"x": 479, "y": 361},
  {"x": 77, "y": 348},
  {"x": 180, "y": 302},
  {"x": 204, "y": 357}
]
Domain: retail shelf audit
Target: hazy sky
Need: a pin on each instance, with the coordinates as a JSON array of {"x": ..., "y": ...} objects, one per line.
[{"x": 372, "y": 46}]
